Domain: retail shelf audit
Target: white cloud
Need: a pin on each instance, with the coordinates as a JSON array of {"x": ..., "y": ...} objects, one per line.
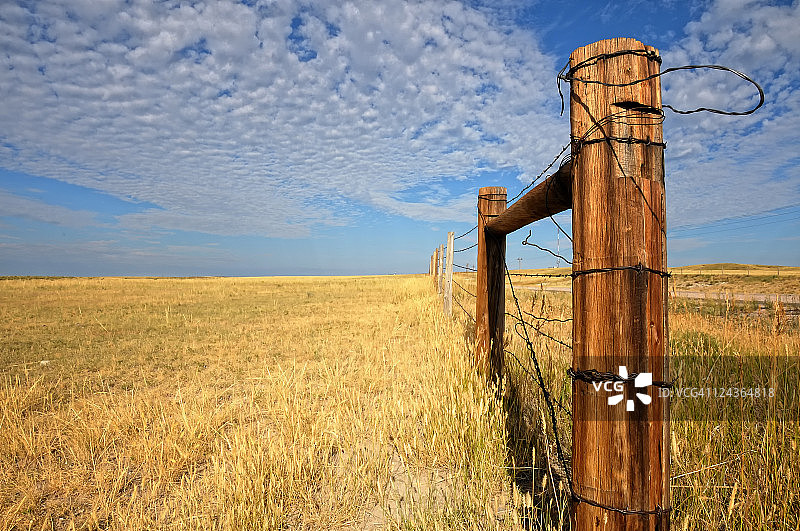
[
  {"x": 719, "y": 166},
  {"x": 12, "y": 205},
  {"x": 215, "y": 113},
  {"x": 278, "y": 118}
]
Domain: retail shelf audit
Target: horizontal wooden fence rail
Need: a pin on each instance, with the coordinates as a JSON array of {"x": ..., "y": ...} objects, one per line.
[{"x": 552, "y": 196}]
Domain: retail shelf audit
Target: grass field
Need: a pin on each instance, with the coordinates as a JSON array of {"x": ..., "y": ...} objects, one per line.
[
  {"x": 324, "y": 403},
  {"x": 241, "y": 404}
]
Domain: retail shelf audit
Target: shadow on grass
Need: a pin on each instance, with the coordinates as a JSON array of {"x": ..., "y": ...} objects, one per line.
[{"x": 532, "y": 456}]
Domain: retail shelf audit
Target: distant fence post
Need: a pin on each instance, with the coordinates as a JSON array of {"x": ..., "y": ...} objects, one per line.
[
  {"x": 620, "y": 459},
  {"x": 490, "y": 294},
  {"x": 448, "y": 276},
  {"x": 440, "y": 274},
  {"x": 436, "y": 267}
]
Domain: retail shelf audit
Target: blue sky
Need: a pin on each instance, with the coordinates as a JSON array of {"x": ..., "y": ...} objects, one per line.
[{"x": 285, "y": 137}]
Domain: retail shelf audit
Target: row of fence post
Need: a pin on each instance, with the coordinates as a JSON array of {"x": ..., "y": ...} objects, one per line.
[
  {"x": 614, "y": 185},
  {"x": 441, "y": 270}
]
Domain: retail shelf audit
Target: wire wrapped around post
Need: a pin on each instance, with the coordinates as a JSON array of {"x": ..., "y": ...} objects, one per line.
[{"x": 620, "y": 459}]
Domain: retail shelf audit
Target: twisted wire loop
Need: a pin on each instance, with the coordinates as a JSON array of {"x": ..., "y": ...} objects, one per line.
[
  {"x": 465, "y": 248},
  {"x": 651, "y": 55},
  {"x": 537, "y": 328},
  {"x": 526, "y": 242}
]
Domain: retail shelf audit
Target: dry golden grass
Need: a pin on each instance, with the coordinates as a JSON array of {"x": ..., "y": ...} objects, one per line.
[
  {"x": 325, "y": 403},
  {"x": 726, "y": 475},
  {"x": 242, "y": 404}
]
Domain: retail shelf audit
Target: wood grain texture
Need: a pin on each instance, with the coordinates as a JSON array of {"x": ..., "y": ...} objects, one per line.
[
  {"x": 440, "y": 272},
  {"x": 448, "y": 276},
  {"x": 436, "y": 268},
  {"x": 490, "y": 295},
  {"x": 619, "y": 458},
  {"x": 551, "y": 196}
]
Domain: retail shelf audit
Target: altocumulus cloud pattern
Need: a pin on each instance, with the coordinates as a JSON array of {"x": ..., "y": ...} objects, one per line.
[{"x": 270, "y": 109}]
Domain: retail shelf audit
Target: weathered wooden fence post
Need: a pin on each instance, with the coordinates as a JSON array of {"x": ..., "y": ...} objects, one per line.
[
  {"x": 448, "y": 277},
  {"x": 440, "y": 274},
  {"x": 490, "y": 295},
  {"x": 436, "y": 267},
  {"x": 620, "y": 459}
]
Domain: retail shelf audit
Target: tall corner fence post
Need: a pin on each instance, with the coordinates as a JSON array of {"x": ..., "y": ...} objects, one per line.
[
  {"x": 490, "y": 294},
  {"x": 620, "y": 458},
  {"x": 448, "y": 276},
  {"x": 440, "y": 273}
]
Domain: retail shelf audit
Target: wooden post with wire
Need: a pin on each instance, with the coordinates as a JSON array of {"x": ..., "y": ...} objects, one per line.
[
  {"x": 448, "y": 276},
  {"x": 440, "y": 273},
  {"x": 435, "y": 267},
  {"x": 490, "y": 295},
  {"x": 620, "y": 458}
]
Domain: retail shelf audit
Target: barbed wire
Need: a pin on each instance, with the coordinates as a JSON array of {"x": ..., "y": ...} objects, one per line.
[
  {"x": 537, "y": 329},
  {"x": 638, "y": 268},
  {"x": 593, "y": 376},
  {"x": 551, "y": 401},
  {"x": 526, "y": 242},
  {"x": 464, "y": 289},
  {"x": 548, "y": 319},
  {"x": 529, "y": 373},
  {"x": 569, "y": 77},
  {"x": 541, "y": 174},
  {"x": 466, "y": 248},
  {"x": 622, "y": 117},
  {"x": 630, "y": 114},
  {"x": 466, "y": 233},
  {"x": 542, "y": 275},
  {"x": 539, "y": 379},
  {"x": 465, "y": 310}
]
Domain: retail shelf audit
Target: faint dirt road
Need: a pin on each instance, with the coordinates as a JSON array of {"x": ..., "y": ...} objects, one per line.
[{"x": 751, "y": 297}]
